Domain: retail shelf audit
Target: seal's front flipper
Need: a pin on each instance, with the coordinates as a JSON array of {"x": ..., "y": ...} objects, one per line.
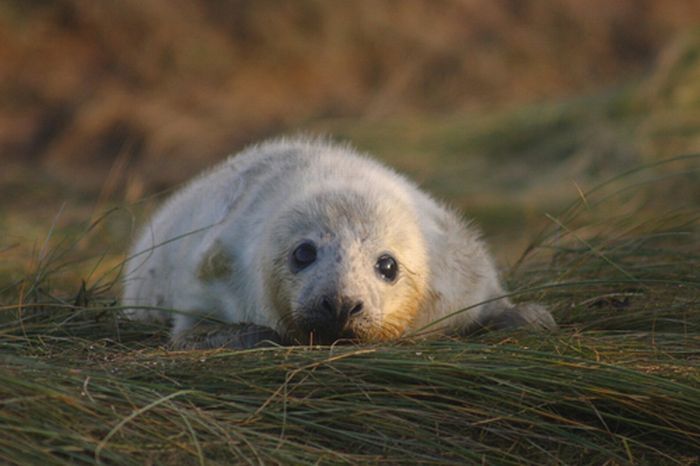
[
  {"x": 532, "y": 316},
  {"x": 206, "y": 335}
]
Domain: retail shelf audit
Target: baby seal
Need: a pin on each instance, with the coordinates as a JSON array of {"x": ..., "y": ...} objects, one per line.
[{"x": 304, "y": 241}]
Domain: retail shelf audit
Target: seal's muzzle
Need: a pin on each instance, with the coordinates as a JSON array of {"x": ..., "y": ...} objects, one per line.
[{"x": 329, "y": 319}]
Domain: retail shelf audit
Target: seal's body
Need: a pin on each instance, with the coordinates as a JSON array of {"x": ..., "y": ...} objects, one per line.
[{"x": 312, "y": 242}]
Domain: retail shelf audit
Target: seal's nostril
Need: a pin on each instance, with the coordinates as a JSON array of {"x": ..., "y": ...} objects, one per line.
[{"x": 356, "y": 309}]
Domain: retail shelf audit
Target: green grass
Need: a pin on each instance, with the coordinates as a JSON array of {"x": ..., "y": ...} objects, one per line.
[
  {"x": 578, "y": 198},
  {"x": 620, "y": 383},
  {"x": 522, "y": 401}
]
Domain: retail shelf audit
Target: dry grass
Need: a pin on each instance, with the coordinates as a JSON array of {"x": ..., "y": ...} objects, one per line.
[
  {"x": 176, "y": 86},
  {"x": 619, "y": 384},
  {"x": 619, "y": 267}
]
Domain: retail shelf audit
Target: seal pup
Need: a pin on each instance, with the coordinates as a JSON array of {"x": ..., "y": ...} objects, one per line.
[{"x": 305, "y": 241}]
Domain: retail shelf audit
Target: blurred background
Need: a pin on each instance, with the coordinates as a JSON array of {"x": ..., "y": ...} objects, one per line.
[{"x": 507, "y": 109}]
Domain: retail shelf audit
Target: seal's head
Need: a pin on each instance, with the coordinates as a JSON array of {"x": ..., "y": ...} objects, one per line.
[{"x": 346, "y": 264}]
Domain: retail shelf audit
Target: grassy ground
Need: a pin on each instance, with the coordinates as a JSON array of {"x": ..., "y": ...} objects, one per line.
[
  {"x": 591, "y": 205},
  {"x": 618, "y": 384}
]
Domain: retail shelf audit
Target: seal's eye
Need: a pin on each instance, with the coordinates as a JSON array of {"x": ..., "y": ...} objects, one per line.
[
  {"x": 387, "y": 267},
  {"x": 304, "y": 255}
]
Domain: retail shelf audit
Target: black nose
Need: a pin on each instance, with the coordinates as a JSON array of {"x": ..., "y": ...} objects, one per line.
[
  {"x": 328, "y": 320},
  {"x": 340, "y": 309}
]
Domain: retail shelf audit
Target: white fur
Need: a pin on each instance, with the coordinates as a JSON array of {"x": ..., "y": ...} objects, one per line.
[{"x": 238, "y": 222}]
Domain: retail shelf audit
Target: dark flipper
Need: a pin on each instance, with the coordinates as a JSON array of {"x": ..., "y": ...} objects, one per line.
[
  {"x": 216, "y": 335},
  {"x": 531, "y": 316}
]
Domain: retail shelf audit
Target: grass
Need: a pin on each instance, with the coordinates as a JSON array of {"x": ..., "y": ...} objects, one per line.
[
  {"x": 82, "y": 85},
  {"x": 618, "y": 384},
  {"x": 617, "y": 261},
  {"x": 439, "y": 402}
]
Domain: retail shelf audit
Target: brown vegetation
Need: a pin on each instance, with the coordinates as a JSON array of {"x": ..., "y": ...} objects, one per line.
[
  {"x": 93, "y": 94},
  {"x": 171, "y": 86}
]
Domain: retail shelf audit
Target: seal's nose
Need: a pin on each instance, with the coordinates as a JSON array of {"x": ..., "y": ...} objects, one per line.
[
  {"x": 340, "y": 309},
  {"x": 328, "y": 321}
]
